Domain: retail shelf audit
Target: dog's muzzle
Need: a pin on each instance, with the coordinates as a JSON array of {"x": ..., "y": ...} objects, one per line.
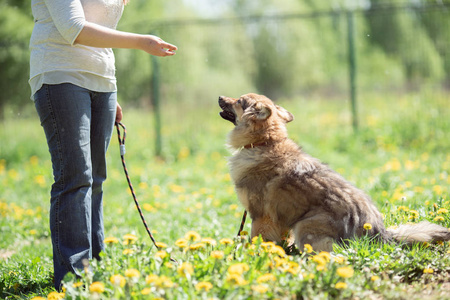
[{"x": 226, "y": 112}]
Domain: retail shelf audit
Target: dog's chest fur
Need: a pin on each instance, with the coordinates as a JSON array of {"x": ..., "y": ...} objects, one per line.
[
  {"x": 260, "y": 173},
  {"x": 283, "y": 183}
]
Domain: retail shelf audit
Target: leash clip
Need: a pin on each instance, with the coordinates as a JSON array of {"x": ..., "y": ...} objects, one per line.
[{"x": 122, "y": 150}]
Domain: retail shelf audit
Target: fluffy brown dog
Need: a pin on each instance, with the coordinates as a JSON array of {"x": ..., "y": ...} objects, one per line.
[{"x": 288, "y": 192}]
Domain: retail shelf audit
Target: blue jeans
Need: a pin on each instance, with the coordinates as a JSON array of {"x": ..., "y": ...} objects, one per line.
[{"x": 78, "y": 125}]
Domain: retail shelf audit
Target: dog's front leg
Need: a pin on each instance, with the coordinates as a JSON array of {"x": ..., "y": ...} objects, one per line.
[{"x": 268, "y": 230}]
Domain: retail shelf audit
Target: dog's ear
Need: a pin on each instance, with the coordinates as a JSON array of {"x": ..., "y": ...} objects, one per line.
[
  {"x": 284, "y": 114},
  {"x": 262, "y": 111}
]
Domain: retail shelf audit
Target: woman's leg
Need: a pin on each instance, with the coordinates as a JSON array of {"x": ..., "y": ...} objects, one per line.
[
  {"x": 66, "y": 116},
  {"x": 103, "y": 116}
]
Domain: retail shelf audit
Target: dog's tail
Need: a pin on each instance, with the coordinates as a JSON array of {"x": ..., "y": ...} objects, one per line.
[{"x": 420, "y": 232}]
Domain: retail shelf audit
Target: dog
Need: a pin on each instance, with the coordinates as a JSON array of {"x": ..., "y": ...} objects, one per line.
[{"x": 289, "y": 193}]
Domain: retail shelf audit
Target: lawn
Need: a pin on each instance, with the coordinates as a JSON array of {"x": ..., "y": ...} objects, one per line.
[{"x": 400, "y": 156}]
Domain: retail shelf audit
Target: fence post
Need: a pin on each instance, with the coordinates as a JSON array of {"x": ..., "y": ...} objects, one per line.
[
  {"x": 156, "y": 105},
  {"x": 352, "y": 67}
]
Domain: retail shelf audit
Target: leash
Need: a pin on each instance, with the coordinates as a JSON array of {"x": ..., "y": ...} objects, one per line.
[
  {"x": 242, "y": 223},
  {"x": 122, "y": 154},
  {"x": 130, "y": 185}
]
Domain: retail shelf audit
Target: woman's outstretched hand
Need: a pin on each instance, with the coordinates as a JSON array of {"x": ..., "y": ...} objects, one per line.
[{"x": 156, "y": 46}]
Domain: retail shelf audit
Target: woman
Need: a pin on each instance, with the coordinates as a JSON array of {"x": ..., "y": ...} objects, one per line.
[{"x": 72, "y": 78}]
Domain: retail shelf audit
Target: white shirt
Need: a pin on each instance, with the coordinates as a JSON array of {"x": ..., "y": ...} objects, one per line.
[{"x": 54, "y": 57}]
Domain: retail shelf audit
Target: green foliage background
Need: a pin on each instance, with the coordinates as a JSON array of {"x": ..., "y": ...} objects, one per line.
[{"x": 278, "y": 48}]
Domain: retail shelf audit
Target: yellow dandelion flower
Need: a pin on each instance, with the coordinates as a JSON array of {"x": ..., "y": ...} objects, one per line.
[
  {"x": 414, "y": 214},
  {"x": 238, "y": 268},
  {"x": 192, "y": 236},
  {"x": 374, "y": 278},
  {"x": 256, "y": 239},
  {"x": 151, "y": 278},
  {"x": 118, "y": 280},
  {"x": 146, "y": 291},
  {"x": 236, "y": 279},
  {"x": 367, "y": 226},
  {"x": 127, "y": 251},
  {"x": 165, "y": 282},
  {"x": 308, "y": 248},
  {"x": 129, "y": 239},
  {"x": 321, "y": 268},
  {"x": 197, "y": 246},
  {"x": 40, "y": 180},
  {"x": 161, "y": 254},
  {"x": 438, "y": 190},
  {"x": 111, "y": 240},
  {"x": 55, "y": 296},
  {"x": 148, "y": 207},
  {"x": 217, "y": 254},
  {"x": 38, "y": 298},
  {"x": 33, "y": 231},
  {"x": 319, "y": 260},
  {"x": 261, "y": 289},
  {"x": 267, "y": 246},
  {"x": 278, "y": 251},
  {"x": 325, "y": 255},
  {"x": 345, "y": 272},
  {"x": 132, "y": 273},
  {"x": 97, "y": 287},
  {"x": 442, "y": 211},
  {"x": 203, "y": 285},
  {"x": 402, "y": 208},
  {"x": 183, "y": 153},
  {"x": 209, "y": 241},
  {"x": 226, "y": 241},
  {"x": 266, "y": 277},
  {"x": 341, "y": 285},
  {"x": 176, "y": 188},
  {"x": 439, "y": 219},
  {"x": 244, "y": 233},
  {"x": 428, "y": 271},
  {"x": 143, "y": 185},
  {"x": 339, "y": 259},
  {"x": 182, "y": 243},
  {"x": 77, "y": 284},
  {"x": 186, "y": 269},
  {"x": 161, "y": 245}
]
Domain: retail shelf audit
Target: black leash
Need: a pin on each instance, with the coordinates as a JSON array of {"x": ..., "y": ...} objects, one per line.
[
  {"x": 122, "y": 154},
  {"x": 242, "y": 223}
]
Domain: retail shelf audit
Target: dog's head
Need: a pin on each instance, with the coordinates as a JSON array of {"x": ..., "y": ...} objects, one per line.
[{"x": 256, "y": 117}]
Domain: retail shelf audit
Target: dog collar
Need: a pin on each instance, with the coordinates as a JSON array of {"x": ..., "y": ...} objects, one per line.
[{"x": 255, "y": 145}]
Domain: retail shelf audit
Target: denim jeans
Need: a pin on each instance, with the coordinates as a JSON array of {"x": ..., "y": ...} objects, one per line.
[{"x": 78, "y": 125}]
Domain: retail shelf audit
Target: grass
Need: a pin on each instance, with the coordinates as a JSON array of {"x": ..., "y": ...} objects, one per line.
[{"x": 399, "y": 157}]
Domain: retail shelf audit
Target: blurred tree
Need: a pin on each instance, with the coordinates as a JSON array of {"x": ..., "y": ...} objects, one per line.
[
  {"x": 15, "y": 31},
  {"x": 437, "y": 25},
  {"x": 399, "y": 33}
]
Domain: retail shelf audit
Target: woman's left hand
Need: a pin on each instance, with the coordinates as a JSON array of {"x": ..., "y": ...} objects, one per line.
[{"x": 119, "y": 114}]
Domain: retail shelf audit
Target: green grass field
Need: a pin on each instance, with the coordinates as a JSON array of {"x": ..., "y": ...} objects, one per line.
[{"x": 400, "y": 157}]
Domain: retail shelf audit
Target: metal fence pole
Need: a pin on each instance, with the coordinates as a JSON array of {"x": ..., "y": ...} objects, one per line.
[
  {"x": 156, "y": 105},
  {"x": 352, "y": 67}
]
